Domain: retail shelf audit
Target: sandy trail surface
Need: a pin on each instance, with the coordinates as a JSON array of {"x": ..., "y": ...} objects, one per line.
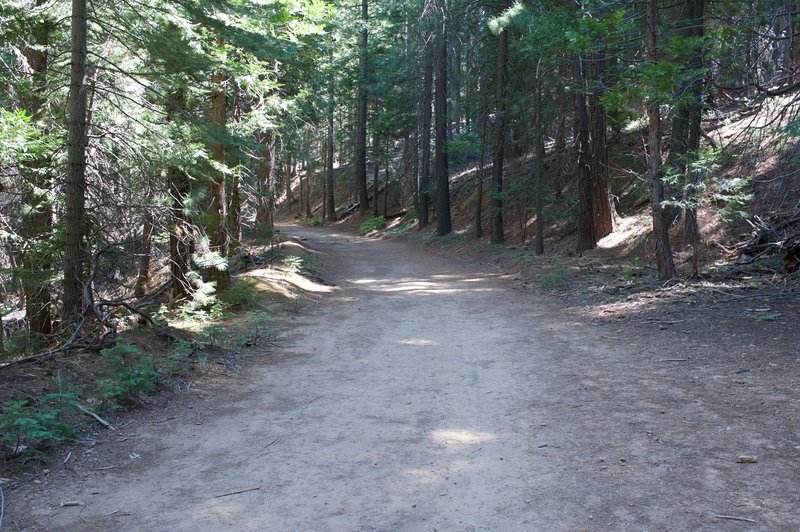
[{"x": 425, "y": 394}]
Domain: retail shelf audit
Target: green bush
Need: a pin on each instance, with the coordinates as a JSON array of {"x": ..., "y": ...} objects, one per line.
[
  {"x": 464, "y": 147},
  {"x": 376, "y": 223},
  {"x": 242, "y": 294},
  {"x": 37, "y": 426},
  {"x": 128, "y": 375}
]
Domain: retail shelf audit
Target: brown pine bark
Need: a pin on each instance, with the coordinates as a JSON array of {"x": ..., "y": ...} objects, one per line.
[
  {"x": 538, "y": 168},
  {"x": 664, "y": 261},
  {"x": 329, "y": 202},
  {"x": 265, "y": 176},
  {"x": 603, "y": 217},
  {"x": 75, "y": 187},
  {"x": 361, "y": 137},
  {"x": 180, "y": 233},
  {"x": 218, "y": 208},
  {"x": 37, "y": 220},
  {"x": 443, "y": 221},
  {"x": 586, "y": 234},
  {"x": 425, "y": 133},
  {"x": 497, "y": 234}
]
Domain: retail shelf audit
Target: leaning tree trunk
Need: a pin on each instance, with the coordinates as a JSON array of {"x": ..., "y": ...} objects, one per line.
[
  {"x": 499, "y": 136},
  {"x": 664, "y": 262},
  {"x": 443, "y": 222},
  {"x": 75, "y": 187}
]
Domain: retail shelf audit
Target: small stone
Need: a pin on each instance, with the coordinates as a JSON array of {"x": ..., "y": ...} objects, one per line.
[{"x": 747, "y": 459}]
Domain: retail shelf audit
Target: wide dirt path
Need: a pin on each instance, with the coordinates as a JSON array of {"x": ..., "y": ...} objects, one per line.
[{"x": 423, "y": 394}]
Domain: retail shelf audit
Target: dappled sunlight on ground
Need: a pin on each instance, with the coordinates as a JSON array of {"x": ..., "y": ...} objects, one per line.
[
  {"x": 419, "y": 286},
  {"x": 458, "y": 439},
  {"x": 286, "y": 283},
  {"x": 418, "y": 342}
]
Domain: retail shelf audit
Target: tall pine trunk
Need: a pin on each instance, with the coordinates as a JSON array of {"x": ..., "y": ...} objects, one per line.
[
  {"x": 664, "y": 262},
  {"x": 265, "y": 176},
  {"x": 443, "y": 222},
  {"x": 603, "y": 222},
  {"x": 37, "y": 220},
  {"x": 499, "y": 135},
  {"x": 361, "y": 137},
  {"x": 218, "y": 215},
  {"x": 329, "y": 201},
  {"x": 75, "y": 188},
  {"x": 586, "y": 234},
  {"x": 538, "y": 168},
  {"x": 425, "y": 132}
]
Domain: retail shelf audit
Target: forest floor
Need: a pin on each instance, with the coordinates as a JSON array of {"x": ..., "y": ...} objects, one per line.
[{"x": 441, "y": 387}]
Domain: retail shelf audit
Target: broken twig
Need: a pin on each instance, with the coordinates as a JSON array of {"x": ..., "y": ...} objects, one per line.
[
  {"x": 734, "y": 518},
  {"x": 237, "y": 492},
  {"x": 95, "y": 416}
]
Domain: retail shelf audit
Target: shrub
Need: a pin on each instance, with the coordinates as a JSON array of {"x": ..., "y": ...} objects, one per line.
[
  {"x": 376, "y": 223},
  {"x": 128, "y": 376}
]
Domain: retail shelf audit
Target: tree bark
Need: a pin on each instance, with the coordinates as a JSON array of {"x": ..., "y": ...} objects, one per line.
[
  {"x": 586, "y": 234},
  {"x": 538, "y": 168},
  {"x": 603, "y": 216},
  {"x": 664, "y": 262},
  {"x": 497, "y": 234},
  {"x": 361, "y": 137},
  {"x": 330, "y": 203},
  {"x": 75, "y": 188},
  {"x": 443, "y": 221},
  {"x": 265, "y": 177},
  {"x": 37, "y": 220},
  {"x": 218, "y": 215},
  {"x": 425, "y": 132}
]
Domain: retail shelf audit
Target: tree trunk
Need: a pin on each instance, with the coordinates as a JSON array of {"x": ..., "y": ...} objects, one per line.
[
  {"x": 664, "y": 262},
  {"x": 425, "y": 131},
  {"x": 37, "y": 220},
  {"x": 180, "y": 231},
  {"x": 443, "y": 222},
  {"x": 586, "y": 234},
  {"x": 601, "y": 204},
  {"x": 329, "y": 202},
  {"x": 144, "y": 254},
  {"x": 538, "y": 168},
  {"x": 218, "y": 215},
  {"x": 75, "y": 189},
  {"x": 481, "y": 164},
  {"x": 265, "y": 177},
  {"x": 376, "y": 168},
  {"x": 500, "y": 135},
  {"x": 687, "y": 124},
  {"x": 361, "y": 137}
]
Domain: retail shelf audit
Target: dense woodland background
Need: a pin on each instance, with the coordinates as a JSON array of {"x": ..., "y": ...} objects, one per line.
[{"x": 141, "y": 140}]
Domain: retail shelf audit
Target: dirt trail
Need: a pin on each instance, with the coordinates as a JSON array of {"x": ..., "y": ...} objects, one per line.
[{"x": 427, "y": 395}]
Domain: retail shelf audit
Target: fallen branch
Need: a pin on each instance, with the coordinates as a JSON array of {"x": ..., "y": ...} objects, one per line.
[
  {"x": 236, "y": 492},
  {"x": 735, "y": 518},
  {"x": 95, "y": 416}
]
